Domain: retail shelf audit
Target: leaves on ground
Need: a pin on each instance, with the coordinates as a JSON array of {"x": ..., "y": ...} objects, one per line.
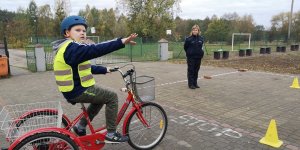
[{"x": 288, "y": 62}]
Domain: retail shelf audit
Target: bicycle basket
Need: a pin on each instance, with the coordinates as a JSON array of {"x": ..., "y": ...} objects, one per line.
[
  {"x": 19, "y": 119},
  {"x": 144, "y": 88}
]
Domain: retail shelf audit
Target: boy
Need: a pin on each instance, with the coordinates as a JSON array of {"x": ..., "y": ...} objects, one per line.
[{"x": 73, "y": 73}]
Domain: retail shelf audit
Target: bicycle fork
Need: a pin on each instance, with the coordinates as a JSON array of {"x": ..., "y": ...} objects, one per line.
[{"x": 141, "y": 117}]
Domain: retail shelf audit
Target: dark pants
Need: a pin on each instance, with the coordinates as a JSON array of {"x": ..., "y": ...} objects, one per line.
[
  {"x": 192, "y": 70},
  {"x": 99, "y": 96}
]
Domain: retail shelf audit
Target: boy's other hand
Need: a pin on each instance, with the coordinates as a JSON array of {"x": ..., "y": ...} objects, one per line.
[{"x": 129, "y": 40}]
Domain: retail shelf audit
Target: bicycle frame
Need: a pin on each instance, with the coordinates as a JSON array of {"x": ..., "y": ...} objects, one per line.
[
  {"x": 98, "y": 135},
  {"x": 95, "y": 140}
]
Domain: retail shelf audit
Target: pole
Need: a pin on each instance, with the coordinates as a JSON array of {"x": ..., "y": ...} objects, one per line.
[
  {"x": 5, "y": 44},
  {"x": 36, "y": 22},
  {"x": 232, "y": 41},
  {"x": 290, "y": 20},
  {"x": 7, "y": 55}
]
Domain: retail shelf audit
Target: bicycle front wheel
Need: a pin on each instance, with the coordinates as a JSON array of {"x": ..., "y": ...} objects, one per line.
[
  {"x": 47, "y": 141},
  {"x": 141, "y": 136}
]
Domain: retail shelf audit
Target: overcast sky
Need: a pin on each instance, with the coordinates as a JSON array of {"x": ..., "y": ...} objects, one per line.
[{"x": 261, "y": 10}]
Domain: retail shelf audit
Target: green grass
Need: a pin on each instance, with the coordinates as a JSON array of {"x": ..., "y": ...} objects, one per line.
[{"x": 149, "y": 51}]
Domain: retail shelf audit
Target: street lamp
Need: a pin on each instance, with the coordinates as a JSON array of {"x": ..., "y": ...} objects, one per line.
[
  {"x": 290, "y": 20},
  {"x": 35, "y": 20},
  {"x": 35, "y": 23}
]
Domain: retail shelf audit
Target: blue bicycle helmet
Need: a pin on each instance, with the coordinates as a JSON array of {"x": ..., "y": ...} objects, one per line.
[{"x": 71, "y": 21}]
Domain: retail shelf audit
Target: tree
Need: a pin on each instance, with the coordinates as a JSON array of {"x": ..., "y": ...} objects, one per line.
[
  {"x": 181, "y": 29},
  {"x": 259, "y": 33},
  {"x": 107, "y": 22},
  {"x": 217, "y": 31},
  {"x": 121, "y": 27},
  {"x": 295, "y": 32},
  {"x": 45, "y": 18},
  {"x": 60, "y": 14},
  {"x": 5, "y": 18},
  {"x": 32, "y": 12},
  {"x": 230, "y": 16},
  {"x": 205, "y": 24},
  {"x": 150, "y": 18},
  {"x": 280, "y": 23},
  {"x": 33, "y": 17},
  {"x": 246, "y": 24}
]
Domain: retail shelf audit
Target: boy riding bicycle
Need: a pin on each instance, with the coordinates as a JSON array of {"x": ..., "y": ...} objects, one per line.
[{"x": 73, "y": 73}]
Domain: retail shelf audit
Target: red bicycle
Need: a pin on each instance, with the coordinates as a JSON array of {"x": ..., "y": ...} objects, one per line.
[{"x": 43, "y": 126}]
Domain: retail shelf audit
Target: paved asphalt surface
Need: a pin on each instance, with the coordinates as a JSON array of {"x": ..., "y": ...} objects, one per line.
[{"x": 231, "y": 111}]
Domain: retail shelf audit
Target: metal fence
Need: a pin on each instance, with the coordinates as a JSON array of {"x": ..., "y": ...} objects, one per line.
[
  {"x": 30, "y": 57},
  {"x": 149, "y": 51}
]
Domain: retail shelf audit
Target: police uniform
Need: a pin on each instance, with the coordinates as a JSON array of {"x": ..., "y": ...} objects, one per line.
[{"x": 194, "y": 53}]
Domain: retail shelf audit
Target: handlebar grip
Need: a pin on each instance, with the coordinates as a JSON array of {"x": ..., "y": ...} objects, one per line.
[
  {"x": 114, "y": 69},
  {"x": 129, "y": 72}
]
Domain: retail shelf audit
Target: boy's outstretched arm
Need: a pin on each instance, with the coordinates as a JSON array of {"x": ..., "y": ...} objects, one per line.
[{"x": 77, "y": 53}]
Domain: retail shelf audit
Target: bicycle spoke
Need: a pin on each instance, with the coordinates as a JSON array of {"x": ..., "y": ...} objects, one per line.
[{"x": 141, "y": 137}]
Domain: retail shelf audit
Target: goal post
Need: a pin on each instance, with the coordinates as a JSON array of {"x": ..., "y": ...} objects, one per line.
[{"x": 234, "y": 34}]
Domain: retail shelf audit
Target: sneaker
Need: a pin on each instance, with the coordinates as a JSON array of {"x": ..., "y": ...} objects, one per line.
[
  {"x": 79, "y": 132},
  {"x": 115, "y": 138},
  {"x": 197, "y": 86}
]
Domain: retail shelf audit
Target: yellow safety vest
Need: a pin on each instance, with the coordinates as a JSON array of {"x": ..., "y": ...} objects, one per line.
[{"x": 64, "y": 74}]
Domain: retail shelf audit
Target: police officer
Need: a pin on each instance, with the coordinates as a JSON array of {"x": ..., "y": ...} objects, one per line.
[{"x": 194, "y": 53}]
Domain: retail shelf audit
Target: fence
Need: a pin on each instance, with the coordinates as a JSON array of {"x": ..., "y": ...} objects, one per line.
[
  {"x": 141, "y": 52},
  {"x": 149, "y": 51}
]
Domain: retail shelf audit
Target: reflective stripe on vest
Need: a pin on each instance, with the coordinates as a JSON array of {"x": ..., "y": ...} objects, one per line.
[
  {"x": 64, "y": 74},
  {"x": 85, "y": 74}
]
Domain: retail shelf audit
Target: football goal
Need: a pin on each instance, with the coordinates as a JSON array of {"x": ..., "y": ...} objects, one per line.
[{"x": 242, "y": 34}]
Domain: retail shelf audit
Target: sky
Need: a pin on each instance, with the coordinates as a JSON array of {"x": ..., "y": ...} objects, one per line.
[{"x": 261, "y": 10}]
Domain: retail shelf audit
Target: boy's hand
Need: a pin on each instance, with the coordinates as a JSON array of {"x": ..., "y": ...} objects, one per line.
[{"x": 129, "y": 40}]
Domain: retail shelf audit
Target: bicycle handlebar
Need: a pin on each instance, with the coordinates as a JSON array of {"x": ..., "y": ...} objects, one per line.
[
  {"x": 124, "y": 75},
  {"x": 114, "y": 69},
  {"x": 129, "y": 72}
]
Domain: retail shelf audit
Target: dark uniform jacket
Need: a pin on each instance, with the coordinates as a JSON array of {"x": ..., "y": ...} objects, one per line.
[
  {"x": 193, "y": 47},
  {"x": 77, "y": 53}
]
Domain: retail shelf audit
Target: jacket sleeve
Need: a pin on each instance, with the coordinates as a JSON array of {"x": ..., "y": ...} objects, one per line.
[
  {"x": 186, "y": 44},
  {"x": 98, "y": 69},
  {"x": 77, "y": 53}
]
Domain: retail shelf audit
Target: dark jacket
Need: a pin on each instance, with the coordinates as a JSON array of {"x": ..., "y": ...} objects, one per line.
[
  {"x": 193, "y": 47},
  {"x": 77, "y": 53}
]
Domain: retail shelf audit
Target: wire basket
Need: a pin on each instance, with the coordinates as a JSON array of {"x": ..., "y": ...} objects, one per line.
[
  {"x": 144, "y": 88},
  {"x": 16, "y": 120}
]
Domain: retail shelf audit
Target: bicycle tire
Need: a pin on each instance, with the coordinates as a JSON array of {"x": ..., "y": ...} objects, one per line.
[
  {"x": 163, "y": 124},
  {"x": 36, "y": 141}
]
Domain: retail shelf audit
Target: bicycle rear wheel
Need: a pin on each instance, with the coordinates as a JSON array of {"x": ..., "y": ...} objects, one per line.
[
  {"x": 40, "y": 114},
  {"x": 141, "y": 136},
  {"x": 47, "y": 141},
  {"x": 27, "y": 122}
]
